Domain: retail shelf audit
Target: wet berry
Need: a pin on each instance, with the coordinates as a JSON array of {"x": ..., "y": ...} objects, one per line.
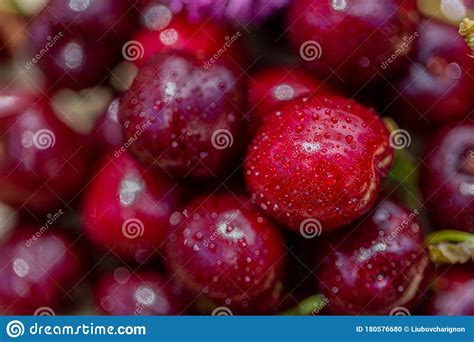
[
  {"x": 320, "y": 159},
  {"x": 378, "y": 265}
]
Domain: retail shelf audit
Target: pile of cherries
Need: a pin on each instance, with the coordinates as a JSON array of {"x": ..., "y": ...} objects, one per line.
[{"x": 246, "y": 169}]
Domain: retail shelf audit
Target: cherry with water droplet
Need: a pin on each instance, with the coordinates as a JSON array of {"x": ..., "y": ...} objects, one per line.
[
  {"x": 321, "y": 158},
  {"x": 377, "y": 265}
]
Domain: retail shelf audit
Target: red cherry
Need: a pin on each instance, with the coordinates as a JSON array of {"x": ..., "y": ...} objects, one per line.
[
  {"x": 380, "y": 265},
  {"x": 225, "y": 250},
  {"x": 453, "y": 292},
  {"x": 37, "y": 270},
  {"x": 164, "y": 32},
  {"x": 42, "y": 161},
  {"x": 447, "y": 178},
  {"x": 183, "y": 117},
  {"x": 108, "y": 130},
  {"x": 75, "y": 42},
  {"x": 127, "y": 207},
  {"x": 352, "y": 40},
  {"x": 138, "y": 294},
  {"x": 320, "y": 159},
  {"x": 272, "y": 86},
  {"x": 438, "y": 86}
]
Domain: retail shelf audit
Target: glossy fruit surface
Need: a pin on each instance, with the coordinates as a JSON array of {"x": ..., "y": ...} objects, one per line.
[
  {"x": 453, "y": 292},
  {"x": 144, "y": 293},
  {"x": 271, "y": 87},
  {"x": 225, "y": 249},
  {"x": 75, "y": 41},
  {"x": 438, "y": 85},
  {"x": 379, "y": 265},
  {"x": 185, "y": 118},
  {"x": 43, "y": 162},
  {"x": 351, "y": 40},
  {"x": 447, "y": 178},
  {"x": 108, "y": 130},
  {"x": 319, "y": 159},
  {"x": 37, "y": 270},
  {"x": 127, "y": 207},
  {"x": 164, "y": 31}
]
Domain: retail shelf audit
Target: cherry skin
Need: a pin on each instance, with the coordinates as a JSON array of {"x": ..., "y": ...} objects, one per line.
[
  {"x": 120, "y": 293},
  {"x": 447, "y": 178},
  {"x": 127, "y": 207},
  {"x": 37, "y": 269},
  {"x": 377, "y": 265},
  {"x": 224, "y": 249},
  {"x": 43, "y": 163},
  {"x": 81, "y": 39},
  {"x": 164, "y": 31},
  {"x": 319, "y": 158},
  {"x": 108, "y": 131},
  {"x": 453, "y": 292},
  {"x": 437, "y": 87},
  {"x": 350, "y": 40},
  {"x": 273, "y": 86},
  {"x": 189, "y": 117}
]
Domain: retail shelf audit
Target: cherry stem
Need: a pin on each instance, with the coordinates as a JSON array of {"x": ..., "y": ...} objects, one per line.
[
  {"x": 308, "y": 306},
  {"x": 449, "y": 236},
  {"x": 451, "y": 246},
  {"x": 466, "y": 30}
]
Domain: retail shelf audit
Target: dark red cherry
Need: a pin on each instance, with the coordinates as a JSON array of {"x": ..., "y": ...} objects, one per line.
[
  {"x": 453, "y": 292},
  {"x": 108, "y": 130},
  {"x": 276, "y": 85},
  {"x": 38, "y": 269},
  {"x": 378, "y": 265},
  {"x": 142, "y": 293},
  {"x": 447, "y": 178},
  {"x": 164, "y": 31},
  {"x": 42, "y": 162},
  {"x": 127, "y": 207},
  {"x": 351, "y": 40},
  {"x": 184, "y": 117},
  {"x": 319, "y": 159},
  {"x": 76, "y": 42},
  {"x": 438, "y": 86},
  {"x": 224, "y": 249}
]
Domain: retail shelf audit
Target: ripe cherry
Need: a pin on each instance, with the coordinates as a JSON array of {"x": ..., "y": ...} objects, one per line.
[
  {"x": 273, "y": 86},
  {"x": 164, "y": 31},
  {"x": 139, "y": 294},
  {"x": 226, "y": 250},
  {"x": 184, "y": 117},
  {"x": 351, "y": 41},
  {"x": 320, "y": 159},
  {"x": 453, "y": 292},
  {"x": 127, "y": 207},
  {"x": 447, "y": 178},
  {"x": 38, "y": 269},
  {"x": 75, "y": 42},
  {"x": 378, "y": 265},
  {"x": 437, "y": 87},
  {"x": 43, "y": 162}
]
